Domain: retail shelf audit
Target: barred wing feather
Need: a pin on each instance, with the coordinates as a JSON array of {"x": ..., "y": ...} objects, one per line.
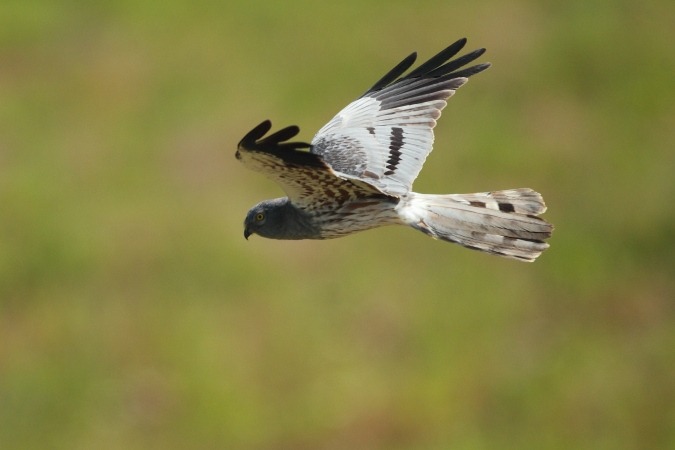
[
  {"x": 307, "y": 180},
  {"x": 384, "y": 137}
]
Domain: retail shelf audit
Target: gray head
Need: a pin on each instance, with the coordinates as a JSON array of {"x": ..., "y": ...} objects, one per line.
[{"x": 278, "y": 219}]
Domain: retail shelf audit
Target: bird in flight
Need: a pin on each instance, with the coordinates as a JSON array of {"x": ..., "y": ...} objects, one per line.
[{"x": 360, "y": 167}]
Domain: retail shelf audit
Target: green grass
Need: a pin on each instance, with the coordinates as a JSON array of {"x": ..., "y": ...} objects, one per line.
[{"x": 133, "y": 314}]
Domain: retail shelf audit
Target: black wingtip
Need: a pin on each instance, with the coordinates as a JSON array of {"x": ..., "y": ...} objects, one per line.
[
  {"x": 274, "y": 142},
  {"x": 282, "y": 135},
  {"x": 456, "y": 63},
  {"x": 394, "y": 73},
  {"x": 470, "y": 71},
  {"x": 437, "y": 67},
  {"x": 255, "y": 134},
  {"x": 438, "y": 59}
]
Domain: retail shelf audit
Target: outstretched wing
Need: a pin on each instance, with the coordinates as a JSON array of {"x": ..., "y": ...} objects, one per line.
[
  {"x": 308, "y": 181},
  {"x": 384, "y": 137}
]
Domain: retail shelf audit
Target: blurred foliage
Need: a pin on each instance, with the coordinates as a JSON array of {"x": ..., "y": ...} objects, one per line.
[{"x": 133, "y": 314}]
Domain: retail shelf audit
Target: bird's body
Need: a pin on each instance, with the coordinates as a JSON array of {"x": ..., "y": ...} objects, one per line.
[
  {"x": 345, "y": 219},
  {"x": 359, "y": 171}
]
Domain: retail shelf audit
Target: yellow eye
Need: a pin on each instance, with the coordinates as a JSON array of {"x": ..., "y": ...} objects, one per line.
[{"x": 260, "y": 217}]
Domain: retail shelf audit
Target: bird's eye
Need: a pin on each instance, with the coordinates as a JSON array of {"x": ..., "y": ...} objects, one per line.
[{"x": 260, "y": 217}]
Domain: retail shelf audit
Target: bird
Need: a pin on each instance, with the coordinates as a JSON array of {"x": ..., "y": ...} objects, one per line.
[{"x": 359, "y": 169}]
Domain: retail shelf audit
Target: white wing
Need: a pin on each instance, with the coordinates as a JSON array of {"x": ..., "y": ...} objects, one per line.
[{"x": 384, "y": 137}]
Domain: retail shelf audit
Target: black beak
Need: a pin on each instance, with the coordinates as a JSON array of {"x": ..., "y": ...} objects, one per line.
[{"x": 246, "y": 233}]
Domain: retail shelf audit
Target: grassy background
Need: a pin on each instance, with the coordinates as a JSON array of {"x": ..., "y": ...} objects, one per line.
[{"x": 133, "y": 314}]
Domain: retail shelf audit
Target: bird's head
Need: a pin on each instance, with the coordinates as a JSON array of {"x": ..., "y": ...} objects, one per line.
[{"x": 266, "y": 219}]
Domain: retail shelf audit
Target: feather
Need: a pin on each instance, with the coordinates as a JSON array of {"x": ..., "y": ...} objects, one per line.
[
  {"x": 464, "y": 220},
  {"x": 356, "y": 142}
]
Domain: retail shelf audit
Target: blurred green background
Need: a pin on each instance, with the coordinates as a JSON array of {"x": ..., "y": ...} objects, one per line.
[{"x": 133, "y": 314}]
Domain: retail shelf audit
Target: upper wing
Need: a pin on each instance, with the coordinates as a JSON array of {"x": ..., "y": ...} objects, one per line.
[
  {"x": 384, "y": 137},
  {"x": 308, "y": 181}
]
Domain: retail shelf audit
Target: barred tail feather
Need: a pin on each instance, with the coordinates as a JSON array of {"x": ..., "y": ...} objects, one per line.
[
  {"x": 521, "y": 201},
  {"x": 503, "y": 223}
]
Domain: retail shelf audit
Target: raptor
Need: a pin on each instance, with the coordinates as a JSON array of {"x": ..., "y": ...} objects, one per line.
[{"x": 359, "y": 170}]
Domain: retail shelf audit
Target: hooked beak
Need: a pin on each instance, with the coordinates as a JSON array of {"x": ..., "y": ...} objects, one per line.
[{"x": 246, "y": 233}]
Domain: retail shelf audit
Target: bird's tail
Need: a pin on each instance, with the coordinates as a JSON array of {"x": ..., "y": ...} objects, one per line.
[{"x": 503, "y": 223}]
